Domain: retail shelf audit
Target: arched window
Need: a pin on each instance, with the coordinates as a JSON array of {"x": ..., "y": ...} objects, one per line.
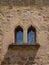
[
  {"x": 18, "y": 35},
  {"x": 31, "y": 35}
]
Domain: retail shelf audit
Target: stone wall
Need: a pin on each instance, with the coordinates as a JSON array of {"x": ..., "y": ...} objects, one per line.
[
  {"x": 25, "y": 16},
  {"x": 24, "y": 2}
]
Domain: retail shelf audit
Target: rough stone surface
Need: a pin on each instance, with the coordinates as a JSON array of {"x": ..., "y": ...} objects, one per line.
[{"x": 10, "y": 17}]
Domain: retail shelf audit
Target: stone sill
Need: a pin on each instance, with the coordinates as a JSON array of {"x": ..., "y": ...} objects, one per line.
[
  {"x": 24, "y": 47},
  {"x": 25, "y": 44}
]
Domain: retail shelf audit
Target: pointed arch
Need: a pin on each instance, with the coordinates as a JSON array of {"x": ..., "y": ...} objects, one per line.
[
  {"x": 18, "y": 35},
  {"x": 31, "y": 35}
]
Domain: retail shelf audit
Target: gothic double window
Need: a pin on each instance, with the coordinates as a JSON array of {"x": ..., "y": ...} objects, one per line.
[{"x": 31, "y": 36}]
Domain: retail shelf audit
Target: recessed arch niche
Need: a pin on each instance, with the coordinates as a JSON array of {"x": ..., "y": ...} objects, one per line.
[
  {"x": 19, "y": 35},
  {"x": 31, "y": 35}
]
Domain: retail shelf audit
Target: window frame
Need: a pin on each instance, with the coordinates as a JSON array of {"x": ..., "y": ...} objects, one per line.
[
  {"x": 34, "y": 30},
  {"x": 18, "y": 28}
]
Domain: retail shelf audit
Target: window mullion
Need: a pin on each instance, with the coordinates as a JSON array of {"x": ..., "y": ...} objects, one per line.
[{"x": 25, "y": 36}]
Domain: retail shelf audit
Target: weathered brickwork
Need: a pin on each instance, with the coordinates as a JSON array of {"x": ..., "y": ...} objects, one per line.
[{"x": 12, "y": 16}]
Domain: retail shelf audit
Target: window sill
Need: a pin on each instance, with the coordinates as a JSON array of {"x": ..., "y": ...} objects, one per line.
[
  {"x": 25, "y": 44},
  {"x": 21, "y": 47}
]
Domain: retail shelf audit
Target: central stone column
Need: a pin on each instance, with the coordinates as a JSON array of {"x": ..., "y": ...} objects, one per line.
[{"x": 25, "y": 36}]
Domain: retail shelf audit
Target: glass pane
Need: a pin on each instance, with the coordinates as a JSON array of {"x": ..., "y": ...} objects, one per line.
[
  {"x": 19, "y": 37},
  {"x": 31, "y": 37}
]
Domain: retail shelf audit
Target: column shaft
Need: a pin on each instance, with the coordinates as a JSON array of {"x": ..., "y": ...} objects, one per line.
[{"x": 25, "y": 37}]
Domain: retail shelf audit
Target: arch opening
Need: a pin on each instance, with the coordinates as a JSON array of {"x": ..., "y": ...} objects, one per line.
[
  {"x": 31, "y": 35},
  {"x": 18, "y": 35}
]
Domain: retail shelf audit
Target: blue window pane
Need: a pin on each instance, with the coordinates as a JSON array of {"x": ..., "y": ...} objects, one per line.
[
  {"x": 31, "y": 37},
  {"x": 19, "y": 37}
]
